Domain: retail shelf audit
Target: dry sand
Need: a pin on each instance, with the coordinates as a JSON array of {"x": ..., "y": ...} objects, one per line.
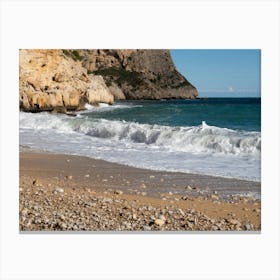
[{"x": 73, "y": 193}]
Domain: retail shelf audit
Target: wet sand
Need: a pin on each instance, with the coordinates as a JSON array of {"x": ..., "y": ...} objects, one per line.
[{"x": 160, "y": 200}]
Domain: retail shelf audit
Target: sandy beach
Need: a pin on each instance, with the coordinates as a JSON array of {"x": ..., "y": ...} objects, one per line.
[{"x": 74, "y": 193}]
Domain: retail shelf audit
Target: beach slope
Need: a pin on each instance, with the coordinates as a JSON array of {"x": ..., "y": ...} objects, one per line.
[{"x": 74, "y": 193}]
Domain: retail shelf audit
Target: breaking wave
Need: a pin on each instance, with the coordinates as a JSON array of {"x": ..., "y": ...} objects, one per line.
[
  {"x": 195, "y": 139},
  {"x": 103, "y": 107}
]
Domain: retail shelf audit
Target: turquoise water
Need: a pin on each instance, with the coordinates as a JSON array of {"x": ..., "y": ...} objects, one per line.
[
  {"x": 215, "y": 136},
  {"x": 233, "y": 113}
]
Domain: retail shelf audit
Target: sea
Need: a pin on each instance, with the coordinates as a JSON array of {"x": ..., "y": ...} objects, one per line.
[{"x": 213, "y": 136}]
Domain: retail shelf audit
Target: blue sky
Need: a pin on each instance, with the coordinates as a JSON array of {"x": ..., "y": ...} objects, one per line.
[{"x": 221, "y": 73}]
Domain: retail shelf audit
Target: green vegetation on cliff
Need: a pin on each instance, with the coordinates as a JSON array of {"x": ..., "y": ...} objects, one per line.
[
  {"x": 120, "y": 76},
  {"x": 74, "y": 54}
]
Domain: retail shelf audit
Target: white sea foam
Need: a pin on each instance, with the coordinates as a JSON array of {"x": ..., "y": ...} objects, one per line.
[
  {"x": 200, "y": 149},
  {"x": 103, "y": 107},
  {"x": 198, "y": 139}
]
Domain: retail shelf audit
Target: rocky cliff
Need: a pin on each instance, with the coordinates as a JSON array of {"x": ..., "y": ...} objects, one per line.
[
  {"x": 64, "y": 80},
  {"x": 55, "y": 80},
  {"x": 139, "y": 74}
]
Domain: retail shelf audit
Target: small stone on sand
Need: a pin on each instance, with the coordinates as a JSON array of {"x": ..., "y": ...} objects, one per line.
[
  {"x": 59, "y": 190},
  {"x": 118, "y": 192},
  {"x": 159, "y": 222}
]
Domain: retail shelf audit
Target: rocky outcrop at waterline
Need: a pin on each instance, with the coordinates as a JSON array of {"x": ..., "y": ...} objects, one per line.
[
  {"x": 51, "y": 80},
  {"x": 62, "y": 80}
]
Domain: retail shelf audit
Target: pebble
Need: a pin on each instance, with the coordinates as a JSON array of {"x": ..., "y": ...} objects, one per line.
[
  {"x": 90, "y": 204},
  {"x": 63, "y": 225},
  {"x": 87, "y": 175},
  {"x": 84, "y": 210},
  {"x": 38, "y": 184},
  {"x": 215, "y": 228},
  {"x": 118, "y": 192},
  {"x": 247, "y": 227},
  {"x": 59, "y": 190},
  {"x": 24, "y": 211},
  {"x": 159, "y": 222},
  {"x": 188, "y": 187},
  {"x": 69, "y": 177},
  {"x": 181, "y": 211},
  {"x": 152, "y": 176},
  {"x": 162, "y": 217},
  {"x": 147, "y": 228},
  {"x": 234, "y": 222},
  {"x": 214, "y": 196}
]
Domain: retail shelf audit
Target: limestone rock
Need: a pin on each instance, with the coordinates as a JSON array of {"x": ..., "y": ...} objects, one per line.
[
  {"x": 139, "y": 74},
  {"x": 98, "y": 91},
  {"x": 116, "y": 91},
  {"x": 55, "y": 80},
  {"x": 61, "y": 80}
]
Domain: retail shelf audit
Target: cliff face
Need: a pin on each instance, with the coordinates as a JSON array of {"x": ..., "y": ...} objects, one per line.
[
  {"x": 53, "y": 80},
  {"x": 65, "y": 79},
  {"x": 139, "y": 74}
]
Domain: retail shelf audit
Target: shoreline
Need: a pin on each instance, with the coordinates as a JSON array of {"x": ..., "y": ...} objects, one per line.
[
  {"x": 116, "y": 136},
  {"x": 128, "y": 198},
  {"x": 28, "y": 149}
]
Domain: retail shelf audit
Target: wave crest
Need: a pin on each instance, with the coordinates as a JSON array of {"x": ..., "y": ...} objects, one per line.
[{"x": 196, "y": 139}]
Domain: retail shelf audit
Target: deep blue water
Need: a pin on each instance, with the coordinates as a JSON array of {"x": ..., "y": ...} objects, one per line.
[{"x": 233, "y": 113}]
